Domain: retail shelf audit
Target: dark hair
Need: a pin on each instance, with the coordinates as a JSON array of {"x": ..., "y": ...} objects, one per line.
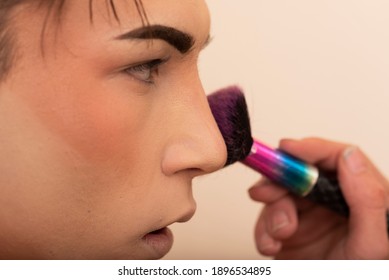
[{"x": 8, "y": 46}]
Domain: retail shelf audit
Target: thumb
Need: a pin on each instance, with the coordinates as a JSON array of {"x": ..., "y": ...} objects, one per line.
[{"x": 366, "y": 196}]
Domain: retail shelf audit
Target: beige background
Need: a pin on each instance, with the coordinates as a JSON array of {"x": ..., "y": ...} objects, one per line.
[{"x": 309, "y": 68}]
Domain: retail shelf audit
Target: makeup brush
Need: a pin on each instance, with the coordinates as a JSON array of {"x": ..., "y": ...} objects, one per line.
[{"x": 229, "y": 109}]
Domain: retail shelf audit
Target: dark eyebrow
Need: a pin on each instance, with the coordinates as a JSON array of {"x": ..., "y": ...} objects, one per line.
[{"x": 181, "y": 41}]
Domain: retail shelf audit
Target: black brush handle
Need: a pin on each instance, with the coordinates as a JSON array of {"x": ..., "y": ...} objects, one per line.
[{"x": 328, "y": 193}]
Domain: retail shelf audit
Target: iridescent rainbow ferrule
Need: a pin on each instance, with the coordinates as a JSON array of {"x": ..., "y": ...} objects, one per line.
[{"x": 298, "y": 176}]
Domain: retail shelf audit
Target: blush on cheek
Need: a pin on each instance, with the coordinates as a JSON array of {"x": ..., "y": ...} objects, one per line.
[
  {"x": 96, "y": 124},
  {"x": 101, "y": 128}
]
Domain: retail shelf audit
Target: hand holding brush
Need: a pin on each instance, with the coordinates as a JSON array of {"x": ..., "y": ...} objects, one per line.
[{"x": 333, "y": 175}]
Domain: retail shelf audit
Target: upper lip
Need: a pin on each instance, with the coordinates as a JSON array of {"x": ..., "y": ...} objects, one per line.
[
  {"x": 182, "y": 219},
  {"x": 154, "y": 231}
]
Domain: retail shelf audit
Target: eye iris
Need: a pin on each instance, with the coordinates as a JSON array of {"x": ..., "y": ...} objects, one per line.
[
  {"x": 144, "y": 72},
  {"x": 141, "y": 72}
]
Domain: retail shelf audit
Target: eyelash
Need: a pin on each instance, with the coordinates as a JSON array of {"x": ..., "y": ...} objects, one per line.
[{"x": 147, "y": 71}]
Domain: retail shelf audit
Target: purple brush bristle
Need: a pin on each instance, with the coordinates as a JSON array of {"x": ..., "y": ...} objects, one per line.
[{"x": 229, "y": 108}]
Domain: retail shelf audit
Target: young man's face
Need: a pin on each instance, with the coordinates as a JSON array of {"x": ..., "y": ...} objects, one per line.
[{"x": 102, "y": 130}]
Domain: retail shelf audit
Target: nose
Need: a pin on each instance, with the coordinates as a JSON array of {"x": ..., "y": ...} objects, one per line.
[{"x": 196, "y": 145}]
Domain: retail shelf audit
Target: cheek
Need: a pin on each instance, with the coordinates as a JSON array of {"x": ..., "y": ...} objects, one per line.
[
  {"x": 98, "y": 128},
  {"x": 96, "y": 121}
]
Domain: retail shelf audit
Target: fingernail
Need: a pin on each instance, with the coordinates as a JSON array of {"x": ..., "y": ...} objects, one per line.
[
  {"x": 354, "y": 160},
  {"x": 287, "y": 140},
  {"x": 263, "y": 181},
  {"x": 266, "y": 242},
  {"x": 279, "y": 220}
]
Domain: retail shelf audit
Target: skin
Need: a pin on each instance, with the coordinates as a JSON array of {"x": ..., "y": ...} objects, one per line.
[
  {"x": 288, "y": 226},
  {"x": 95, "y": 157}
]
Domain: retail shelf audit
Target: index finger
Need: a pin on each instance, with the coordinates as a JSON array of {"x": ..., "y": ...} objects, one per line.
[{"x": 322, "y": 153}]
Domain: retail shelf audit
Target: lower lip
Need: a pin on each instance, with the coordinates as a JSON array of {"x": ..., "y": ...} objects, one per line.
[{"x": 159, "y": 241}]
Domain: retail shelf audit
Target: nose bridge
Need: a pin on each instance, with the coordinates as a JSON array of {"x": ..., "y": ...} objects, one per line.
[{"x": 197, "y": 144}]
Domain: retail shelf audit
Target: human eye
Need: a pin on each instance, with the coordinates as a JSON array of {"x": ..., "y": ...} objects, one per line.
[{"x": 146, "y": 71}]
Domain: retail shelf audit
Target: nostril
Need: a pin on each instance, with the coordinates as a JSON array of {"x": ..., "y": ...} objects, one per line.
[
  {"x": 185, "y": 156},
  {"x": 195, "y": 171},
  {"x": 195, "y": 159}
]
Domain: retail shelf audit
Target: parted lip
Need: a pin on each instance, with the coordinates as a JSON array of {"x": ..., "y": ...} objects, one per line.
[
  {"x": 160, "y": 238},
  {"x": 159, "y": 241},
  {"x": 157, "y": 231},
  {"x": 184, "y": 218}
]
